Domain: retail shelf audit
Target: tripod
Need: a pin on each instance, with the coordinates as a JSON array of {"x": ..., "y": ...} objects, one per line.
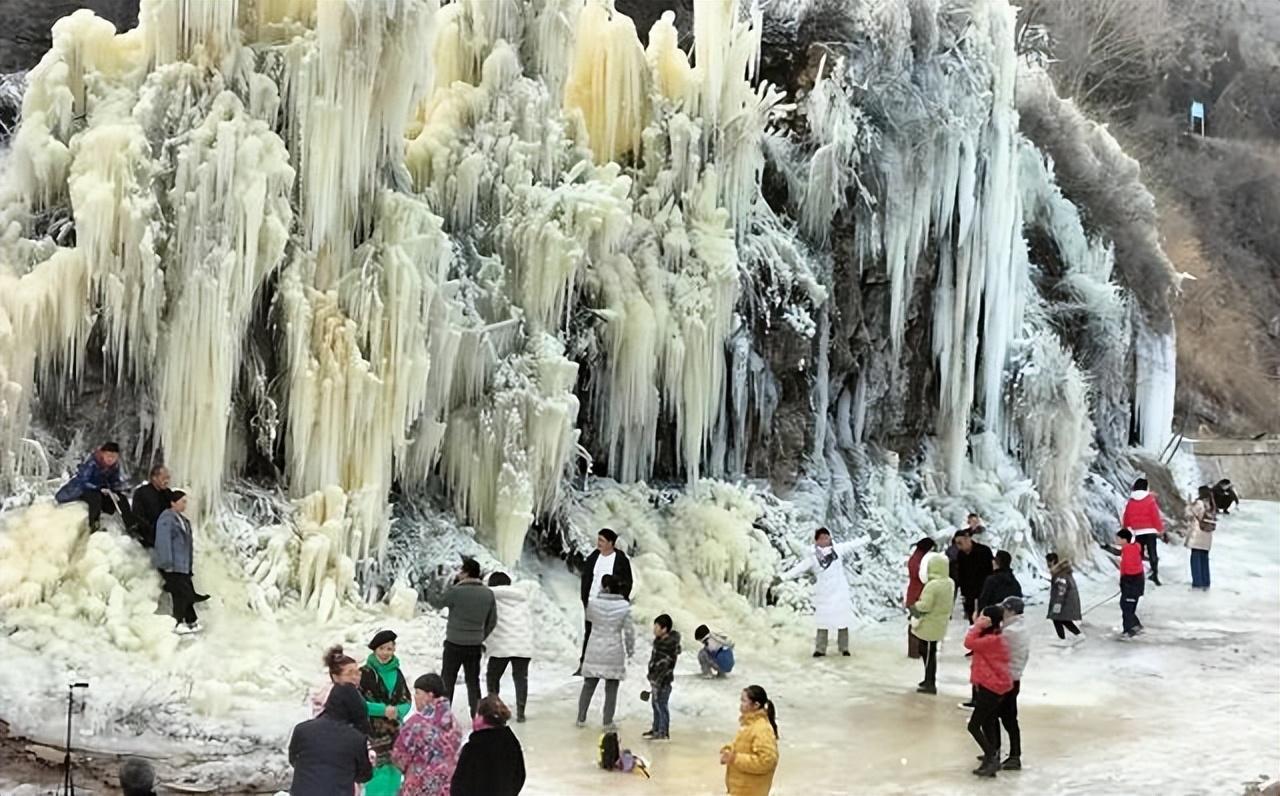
[{"x": 68, "y": 781}]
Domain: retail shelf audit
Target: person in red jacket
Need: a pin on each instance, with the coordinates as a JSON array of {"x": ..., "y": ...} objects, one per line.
[
  {"x": 1142, "y": 518},
  {"x": 915, "y": 585},
  {"x": 989, "y": 673},
  {"x": 1130, "y": 581}
]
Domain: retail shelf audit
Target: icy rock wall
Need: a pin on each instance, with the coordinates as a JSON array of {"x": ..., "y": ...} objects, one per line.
[{"x": 451, "y": 251}]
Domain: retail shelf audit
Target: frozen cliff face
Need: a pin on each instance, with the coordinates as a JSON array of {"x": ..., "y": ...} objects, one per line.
[{"x": 469, "y": 254}]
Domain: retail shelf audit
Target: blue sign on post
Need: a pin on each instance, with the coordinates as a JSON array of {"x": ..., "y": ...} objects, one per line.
[{"x": 1197, "y": 116}]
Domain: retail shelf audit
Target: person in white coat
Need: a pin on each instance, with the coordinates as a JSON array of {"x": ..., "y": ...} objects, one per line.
[
  {"x": 612, "y": 642},
  {"x": 511, "y": 641},
  {"x": 831, "y": 607}
]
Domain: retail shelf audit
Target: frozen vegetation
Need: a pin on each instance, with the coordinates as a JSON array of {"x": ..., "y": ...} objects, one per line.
[{"x": 385, "y": 282}]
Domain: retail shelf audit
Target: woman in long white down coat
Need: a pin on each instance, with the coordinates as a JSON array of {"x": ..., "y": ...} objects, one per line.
[{"x": 831, "y": 607}]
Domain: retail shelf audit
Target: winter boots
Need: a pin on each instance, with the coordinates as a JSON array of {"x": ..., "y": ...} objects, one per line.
[
  {"x": 1011, "y": 763},
  {"x": 989, "y": 767}
]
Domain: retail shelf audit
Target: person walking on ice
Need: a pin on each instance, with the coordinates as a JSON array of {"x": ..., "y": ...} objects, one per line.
[
  {"x": 831, "y": 608},
  {"x": 1064, "y": 598},
  {"x": 1131, "y": 586}
]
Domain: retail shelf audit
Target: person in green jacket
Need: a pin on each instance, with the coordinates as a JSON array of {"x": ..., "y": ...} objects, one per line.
[
  {"x": 386, "y": 696},
  {"x": 930, "y": 614}
]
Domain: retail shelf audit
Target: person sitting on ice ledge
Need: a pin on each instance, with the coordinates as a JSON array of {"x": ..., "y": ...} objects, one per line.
[
  {"x": 149, "y": 502},
  {"x": 99, "y": 484},
  {"x": 831, "y": 608},
  {"x": 173, "y": 555}
]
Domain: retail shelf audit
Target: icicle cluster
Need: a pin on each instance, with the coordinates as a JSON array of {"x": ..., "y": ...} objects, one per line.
[{"x": 456, "y": 249}]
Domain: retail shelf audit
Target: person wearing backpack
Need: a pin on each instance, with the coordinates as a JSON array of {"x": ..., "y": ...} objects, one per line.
[
  {"x": 662, "y": 673},
  {"x": 1204, "y": 520}
]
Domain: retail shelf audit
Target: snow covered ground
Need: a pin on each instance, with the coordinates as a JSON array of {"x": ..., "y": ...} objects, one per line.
[{"x": 1190, "y": 708}]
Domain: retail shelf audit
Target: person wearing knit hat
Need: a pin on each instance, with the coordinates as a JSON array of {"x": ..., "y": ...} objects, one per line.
[
  {"x": 387, "y": 700},
  {"x": 1018, "y": 638}
]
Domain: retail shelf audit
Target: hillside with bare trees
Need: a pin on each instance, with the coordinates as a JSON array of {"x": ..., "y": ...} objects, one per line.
[{"x": 1218, "y": 194}]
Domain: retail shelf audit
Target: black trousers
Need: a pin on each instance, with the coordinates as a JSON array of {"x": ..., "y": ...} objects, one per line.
[
  {"x": 1009, "y": 718},
  {"x": 984, "y": 723},
  {"x": 586, "y": 636},
  {"x": 929, "y": 654},
  {"x": 100, "y": 504},
  {"x": 183, "y": 593},
  {"x": 1060, "y": 626},
  {"x": 1150, "y": 543},
  {"x": 467, "y": 658},
  {"x": 519, "y": 673},
  {"x": 970, "y": 607}
]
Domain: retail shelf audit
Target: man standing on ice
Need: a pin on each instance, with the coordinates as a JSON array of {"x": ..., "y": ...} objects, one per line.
[
  {"x": 606, "y": 560},
  {"x": 831, "y": 609},
  {"x": 1142, "y": 518}
]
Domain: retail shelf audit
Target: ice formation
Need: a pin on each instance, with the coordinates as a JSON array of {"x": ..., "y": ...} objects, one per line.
[{"x": 524, "y": 264}]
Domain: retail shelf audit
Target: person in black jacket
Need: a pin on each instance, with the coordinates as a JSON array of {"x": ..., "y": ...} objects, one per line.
[
  {"x": 606, "y": 560},
  {"x": 149, "y": 502},
  {"x": 330, "y": 753},
  {"x": 973, "y": 566},
  {"x": 1001, "y": 583},
  {"x": 491, "y": 762}
]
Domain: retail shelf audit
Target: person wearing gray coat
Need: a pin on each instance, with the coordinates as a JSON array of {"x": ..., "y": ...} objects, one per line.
[
  {"x": 1064, "y": 598},
  {"x": 174, "y": 555},
  {"x": 613, "y": 640}
]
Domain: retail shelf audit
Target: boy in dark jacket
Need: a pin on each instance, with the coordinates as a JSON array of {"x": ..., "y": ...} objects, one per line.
[
  {"x": 662, "y": 670},
  {"x": 1131, "y": 582},
  {"x": 1001, "y": 583}
]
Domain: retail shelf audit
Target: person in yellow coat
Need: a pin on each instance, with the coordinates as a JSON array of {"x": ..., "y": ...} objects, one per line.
[{"x": 753, "y": 756}]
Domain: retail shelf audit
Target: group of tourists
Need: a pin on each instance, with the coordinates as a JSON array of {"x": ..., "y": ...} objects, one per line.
[
  {"x": 157, "y": 518},
  {"x": 370, "y": 729}
]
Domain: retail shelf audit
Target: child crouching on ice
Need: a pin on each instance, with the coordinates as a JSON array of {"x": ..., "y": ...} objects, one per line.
[{"x": 716, "y": 655}]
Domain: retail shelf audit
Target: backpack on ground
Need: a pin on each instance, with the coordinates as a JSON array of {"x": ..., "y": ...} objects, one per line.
[{"x": 614, "y": 758}]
